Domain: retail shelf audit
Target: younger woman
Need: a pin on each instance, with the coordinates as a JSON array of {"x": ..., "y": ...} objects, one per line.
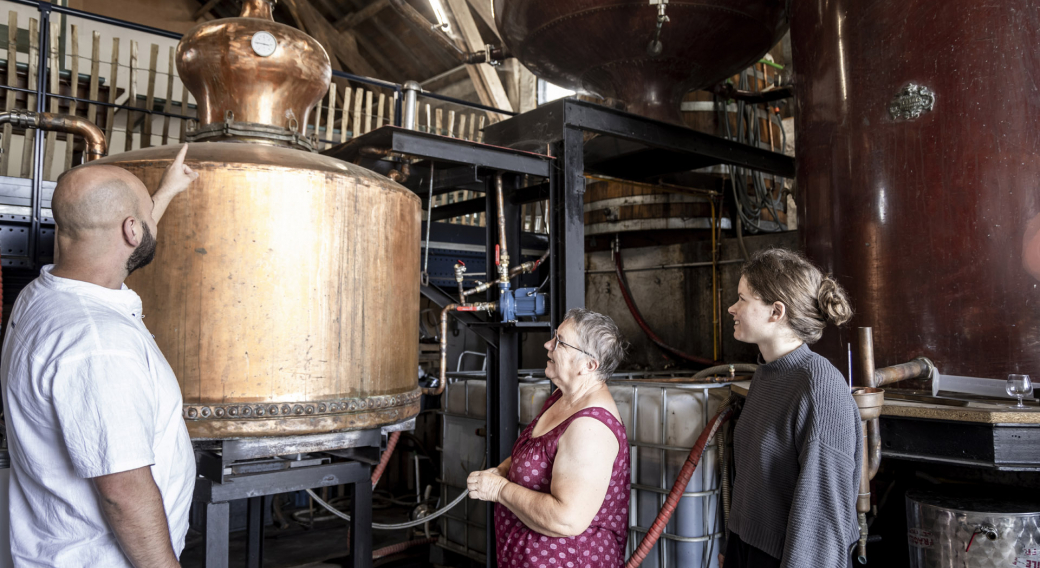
[{"x": 797, "y": 441}]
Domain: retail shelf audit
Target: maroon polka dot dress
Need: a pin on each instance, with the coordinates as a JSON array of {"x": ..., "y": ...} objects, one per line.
[{"x": 603, "y": 543}]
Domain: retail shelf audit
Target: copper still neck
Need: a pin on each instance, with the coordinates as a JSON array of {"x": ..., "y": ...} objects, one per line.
[
  {"x": 254, "y": 80},
  {"x": 260, "y": 9}
]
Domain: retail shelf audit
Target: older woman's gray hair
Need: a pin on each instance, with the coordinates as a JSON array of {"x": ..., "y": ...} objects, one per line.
[{"x": 600, "y": 336}]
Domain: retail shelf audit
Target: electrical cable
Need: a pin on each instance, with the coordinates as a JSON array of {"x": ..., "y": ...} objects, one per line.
[{"x": 393, "y": 526}]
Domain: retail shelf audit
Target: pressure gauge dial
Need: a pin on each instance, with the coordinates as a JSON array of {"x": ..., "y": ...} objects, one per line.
[{"x": 264, "y": 43}]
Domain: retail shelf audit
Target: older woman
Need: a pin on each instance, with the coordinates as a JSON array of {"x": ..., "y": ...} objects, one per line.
[{"x": 562, "y": 496}]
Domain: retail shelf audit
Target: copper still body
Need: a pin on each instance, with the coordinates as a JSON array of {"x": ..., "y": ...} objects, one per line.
[
  {"x": 918, "y": 169},
  {"x": 646, "y": 55},
  {"x": 284, "y": 287}
]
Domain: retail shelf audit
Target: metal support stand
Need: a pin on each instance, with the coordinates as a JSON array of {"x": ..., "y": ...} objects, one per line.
[{"x": 215, "y": 496}]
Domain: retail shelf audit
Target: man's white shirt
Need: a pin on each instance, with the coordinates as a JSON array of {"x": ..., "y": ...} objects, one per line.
[{"x": 86, "y": 393}]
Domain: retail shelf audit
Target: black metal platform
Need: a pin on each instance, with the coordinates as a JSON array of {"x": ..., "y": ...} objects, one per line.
[{"x": 1001, "y": 447}]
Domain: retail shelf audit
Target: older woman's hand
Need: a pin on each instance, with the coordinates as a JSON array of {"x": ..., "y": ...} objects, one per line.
[{"x": 486, "y": 485}]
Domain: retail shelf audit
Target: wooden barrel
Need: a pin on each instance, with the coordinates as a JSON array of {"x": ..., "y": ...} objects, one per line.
[{"x": 617, "y": 207}]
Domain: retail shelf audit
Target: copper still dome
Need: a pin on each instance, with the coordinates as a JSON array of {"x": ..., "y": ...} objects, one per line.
[{"x": 646, "y": 55}]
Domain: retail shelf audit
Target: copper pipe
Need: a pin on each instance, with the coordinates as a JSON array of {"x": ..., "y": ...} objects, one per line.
[
  {"x": 96, "y": 146},
  {"x": 503, "y": 260},
  {"x": 443, "y": 379},
  {"x": 866, "y": 357},
  {"x": 874, "y": 444},
  {"x": 919, "y": 368},
  {"x": 869, "y": 402}
]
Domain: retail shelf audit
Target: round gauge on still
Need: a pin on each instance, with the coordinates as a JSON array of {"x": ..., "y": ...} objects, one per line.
[{"x": 264, "y": 43}]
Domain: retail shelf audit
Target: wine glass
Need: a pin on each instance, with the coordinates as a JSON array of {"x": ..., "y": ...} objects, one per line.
[{"x": 1019, "y": 385}]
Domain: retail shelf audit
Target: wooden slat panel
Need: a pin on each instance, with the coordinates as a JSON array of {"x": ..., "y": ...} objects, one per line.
[
  {"x": 317, "y": 125},
  {"x": 379, "y": 110},
  {"x": 149, "y": 101},
  {"x": 368, "y": 112},
  {"x": 480, "y": 135},
  {"x": 113, "y": 76},
  {"x": 70, "y": 140},
  {"x": 451, "y": 123},
  {"x": 95, "y": 76},
  {"x": 462, "y": 126},
  {"x": 12, "y": 81},
  {"x": 330, "y": 124},
  {"x": 53, "y": 87},
  {"x": 472, "y": 126},
  {"x": 34, "y": 58},
  {"x": 344, "y": 122},
  {"x": 357, "y": 113},
  {"x": 429, "y": 127},
  {"x": 132, "y": 100},
  {"x": 438, "y": 122},
  {"x": 168, "y": 107}
]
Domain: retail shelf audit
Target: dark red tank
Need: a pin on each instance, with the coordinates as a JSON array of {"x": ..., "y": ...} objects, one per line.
[
  {"x": 603, "y": 47},
  {"x": 919, "y": 172}
]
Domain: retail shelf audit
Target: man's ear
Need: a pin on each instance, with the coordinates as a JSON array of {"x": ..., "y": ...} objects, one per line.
[{"x": 132, "y": 232}]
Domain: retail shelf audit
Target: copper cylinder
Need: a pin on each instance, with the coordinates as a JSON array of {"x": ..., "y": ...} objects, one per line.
[
  {"x": 283, "y": 291},
  {"x": 917, "y": 173},
  {"x": 602, "y": 46}
]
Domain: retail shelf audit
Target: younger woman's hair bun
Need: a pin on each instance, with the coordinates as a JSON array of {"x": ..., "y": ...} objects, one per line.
[{"x": 834, "y": 302}]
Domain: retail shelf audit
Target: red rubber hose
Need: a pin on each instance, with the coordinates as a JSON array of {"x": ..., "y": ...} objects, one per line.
[
  {"x": 401, "y": 547},
  {"x": 643, "y": 325},
  {"x": 677, "y": 489},
  {"x": 385, "y": 458}
]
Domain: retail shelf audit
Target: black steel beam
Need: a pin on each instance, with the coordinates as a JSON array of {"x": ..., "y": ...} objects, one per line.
[
  {"x": 286, "y": 481},
  {"x": 547, "y": 124},
  {"x": 567, "y": 260},
  {"x": 458, "y": 209},
  {"x": 502, "y": 383}
]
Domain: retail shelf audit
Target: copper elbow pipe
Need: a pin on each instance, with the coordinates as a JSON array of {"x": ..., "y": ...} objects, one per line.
[
  {"x": 96, "y": 145},
  {"x": 866, "y": 357},
  {"x": 443, "y": 378}
]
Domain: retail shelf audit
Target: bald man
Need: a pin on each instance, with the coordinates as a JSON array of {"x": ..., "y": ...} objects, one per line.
[{"x": 102, "y": 469}]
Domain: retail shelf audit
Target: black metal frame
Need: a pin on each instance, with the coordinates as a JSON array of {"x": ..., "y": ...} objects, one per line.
[{"x": 219, "y": 483}]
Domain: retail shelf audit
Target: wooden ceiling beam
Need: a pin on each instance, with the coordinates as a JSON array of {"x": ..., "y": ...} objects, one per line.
[
  {"x": 485, "y": 77},
  {"x": 205, "y": 9},
  {"x": 395, "y": 73},
  {"x": 338, "y": 45},
  {"x": 354, "y": 18},
  {"x": 483, "y": 9},
  {"x": 415, "y": 65}
]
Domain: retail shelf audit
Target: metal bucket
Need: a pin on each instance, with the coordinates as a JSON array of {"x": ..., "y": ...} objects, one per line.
[{"x": 1002, "y": 531}]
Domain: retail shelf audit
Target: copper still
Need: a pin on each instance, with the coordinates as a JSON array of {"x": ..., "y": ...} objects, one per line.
[
  {"x": 646, "y": 54},
  {"x": 918, "y": 169},
  {"x": 284, "y": 286}
]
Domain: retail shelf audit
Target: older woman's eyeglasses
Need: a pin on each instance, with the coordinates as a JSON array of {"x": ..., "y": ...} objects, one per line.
[{"x": 557, "y": 342}]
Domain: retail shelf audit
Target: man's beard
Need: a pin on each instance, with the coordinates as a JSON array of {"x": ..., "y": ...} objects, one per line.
[{"x": 143, "y": 254}]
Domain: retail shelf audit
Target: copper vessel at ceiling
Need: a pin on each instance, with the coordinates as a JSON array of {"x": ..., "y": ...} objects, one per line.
[
  {"x": 606, "y": 47},
  {"x": 284, "y": 290},
  {"x": 918, "y": 169},
  {"x": 254, "y": 73}
]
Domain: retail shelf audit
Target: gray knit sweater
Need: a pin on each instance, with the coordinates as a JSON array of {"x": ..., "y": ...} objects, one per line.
[{"x": 796, "y": 446}]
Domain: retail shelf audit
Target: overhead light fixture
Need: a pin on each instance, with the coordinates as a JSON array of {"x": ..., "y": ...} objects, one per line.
[{"x": 442, "y": 16}]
